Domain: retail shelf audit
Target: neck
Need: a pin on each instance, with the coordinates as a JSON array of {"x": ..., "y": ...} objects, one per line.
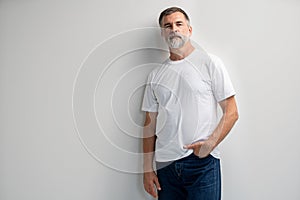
[{"x": 181, "y": 53}]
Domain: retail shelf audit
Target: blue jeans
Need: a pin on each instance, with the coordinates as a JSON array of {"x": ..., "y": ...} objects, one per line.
[{"x": 190, "y": 178}]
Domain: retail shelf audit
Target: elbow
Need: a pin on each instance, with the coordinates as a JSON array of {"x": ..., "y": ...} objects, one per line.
[
  {"x": 235, "y": 115},
  {"x": 232, "y": 116}
]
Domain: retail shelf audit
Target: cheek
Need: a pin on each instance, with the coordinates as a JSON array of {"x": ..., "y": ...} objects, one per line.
[
  {"x": 185, "y": 31},
  {"x": 165, "y": 33}
]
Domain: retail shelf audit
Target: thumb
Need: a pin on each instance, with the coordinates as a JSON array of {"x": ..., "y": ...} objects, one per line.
[
  {"x": 189, "y": 146},
  {"x": 194, "y": 145}
]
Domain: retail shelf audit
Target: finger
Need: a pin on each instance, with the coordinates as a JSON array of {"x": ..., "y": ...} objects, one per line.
[
  {"x": 196, "y": 152},
  {"x": 204, "y": 151},
  {"x": 157, "y": 184},
  {"x": 152, "y": 192},
  {"x": 150, "y": 189}
]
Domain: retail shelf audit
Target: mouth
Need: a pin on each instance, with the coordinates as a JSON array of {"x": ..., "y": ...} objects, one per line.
[{"x": 175, "y": 36}]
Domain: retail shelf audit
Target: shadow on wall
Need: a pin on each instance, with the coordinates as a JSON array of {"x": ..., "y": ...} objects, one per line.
[{"x": 107, "y": 96}]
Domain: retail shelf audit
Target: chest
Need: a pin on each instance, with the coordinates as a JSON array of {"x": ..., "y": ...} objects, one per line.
[{"x": 182, "y": 82}]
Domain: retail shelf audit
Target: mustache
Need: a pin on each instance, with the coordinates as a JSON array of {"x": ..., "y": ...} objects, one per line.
[{"x": 174, "y": 34}]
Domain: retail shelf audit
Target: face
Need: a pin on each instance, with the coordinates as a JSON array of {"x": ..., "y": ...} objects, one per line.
[{"x": 176, "y": 30}]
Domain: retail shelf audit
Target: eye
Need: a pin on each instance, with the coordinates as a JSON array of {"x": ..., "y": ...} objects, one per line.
[{"x": 167, "y": 26}]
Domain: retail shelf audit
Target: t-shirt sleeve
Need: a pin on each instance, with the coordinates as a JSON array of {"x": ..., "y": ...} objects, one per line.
[
  {"x": 221, "y": 83},
  {"x": 149, "y": 103}
]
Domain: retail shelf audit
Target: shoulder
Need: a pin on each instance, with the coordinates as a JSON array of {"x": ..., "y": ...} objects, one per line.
[
  {"x": 157, "y": 69},
  {"x": 215, "y": 59},
  {"x": 209, "y": 59},
  {"x": 216, "y": 63},
  {"x": 153, "y": 72}
]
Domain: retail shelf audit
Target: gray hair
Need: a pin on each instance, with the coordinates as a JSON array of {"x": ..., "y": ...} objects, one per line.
[{"x": 170, "y": 11}]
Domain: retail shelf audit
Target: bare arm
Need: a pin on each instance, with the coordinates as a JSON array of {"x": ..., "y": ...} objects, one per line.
[
  {"x": 230, "y": 116},
  {"x": 150, "y": 178},
  {"x": 149, "y": 139}
]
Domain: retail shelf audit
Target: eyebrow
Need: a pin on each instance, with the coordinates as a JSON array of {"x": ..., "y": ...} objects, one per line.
[{"x": 177, "y": 22}]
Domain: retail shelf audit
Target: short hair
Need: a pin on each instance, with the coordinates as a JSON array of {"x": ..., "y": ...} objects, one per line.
[{"x": 170, "y": 11}]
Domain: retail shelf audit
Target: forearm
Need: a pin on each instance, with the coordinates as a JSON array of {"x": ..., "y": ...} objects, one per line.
[
  {"x": 151, "y": 183},
  {"x": 149, "y": 139},
  {"x": 223, "y": 128},
  {"x": 230, "y": 116},
  {"x": 148, "y": 150}
]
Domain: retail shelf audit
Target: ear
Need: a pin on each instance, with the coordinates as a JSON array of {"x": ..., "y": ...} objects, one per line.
[{"x": 190, "y": 30}]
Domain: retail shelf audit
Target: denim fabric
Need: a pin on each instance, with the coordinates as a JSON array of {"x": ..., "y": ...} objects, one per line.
[{"x": 190, "y": 178}]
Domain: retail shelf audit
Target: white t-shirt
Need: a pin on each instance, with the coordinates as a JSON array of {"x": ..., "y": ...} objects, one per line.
[{"x": 185, "y": 94}]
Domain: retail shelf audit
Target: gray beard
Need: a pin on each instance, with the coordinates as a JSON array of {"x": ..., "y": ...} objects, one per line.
[{"x": 176, "y": 41}]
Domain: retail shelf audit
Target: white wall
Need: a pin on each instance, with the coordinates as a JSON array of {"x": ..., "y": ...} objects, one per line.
[{"x": 63, "y": 104}]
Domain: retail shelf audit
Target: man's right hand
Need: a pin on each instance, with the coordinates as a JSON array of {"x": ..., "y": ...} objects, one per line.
[{"x": 151, "y": 183}]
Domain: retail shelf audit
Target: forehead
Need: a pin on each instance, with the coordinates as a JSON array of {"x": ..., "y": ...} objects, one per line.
[{"x": 174, "y": 17}]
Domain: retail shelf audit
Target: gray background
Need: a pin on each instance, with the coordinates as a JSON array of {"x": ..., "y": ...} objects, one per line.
[{"x": 46, "y": 149}]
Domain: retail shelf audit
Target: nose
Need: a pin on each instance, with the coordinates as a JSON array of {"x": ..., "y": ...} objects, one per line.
[{"x": 174, "y": 28}]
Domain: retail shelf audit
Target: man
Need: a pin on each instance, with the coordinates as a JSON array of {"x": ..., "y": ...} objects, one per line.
[{"x": 181, "y": 124}]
